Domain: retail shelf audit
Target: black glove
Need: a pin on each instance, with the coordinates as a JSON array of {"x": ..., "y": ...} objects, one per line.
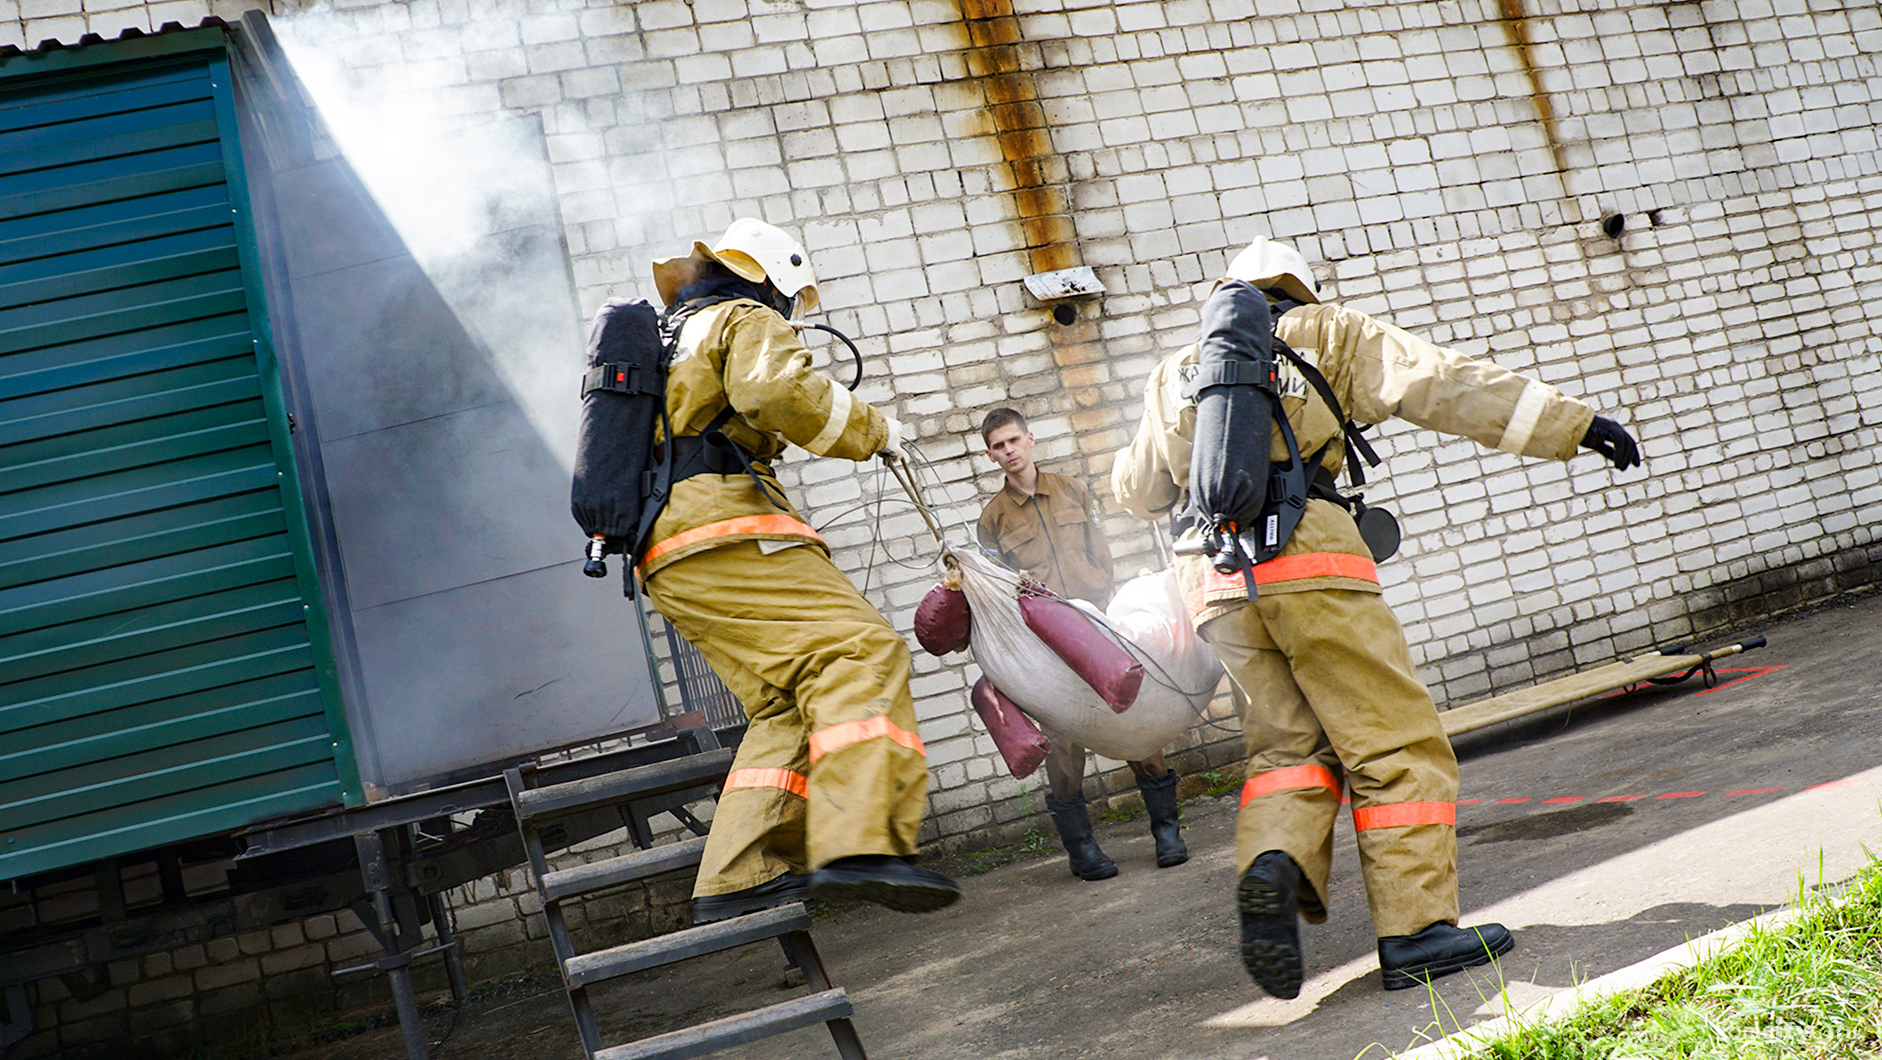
[{"x": 1611, "y": 440}]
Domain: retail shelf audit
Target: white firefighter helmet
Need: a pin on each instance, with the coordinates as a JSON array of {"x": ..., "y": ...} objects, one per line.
[
  {"x": 753, "y": 250},
  {"x": 1265, "y": 263}
]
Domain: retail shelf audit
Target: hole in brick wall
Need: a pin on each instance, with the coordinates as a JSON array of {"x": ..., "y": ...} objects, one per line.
[
  {"x": 1614, "y": 224},
  {"x": 1065, "y": 313},
  {"x": 1656, "y": 217}
]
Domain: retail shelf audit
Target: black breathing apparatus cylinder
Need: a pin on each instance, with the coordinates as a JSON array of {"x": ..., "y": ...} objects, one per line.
[
  {"x": 623, "y": 478},
  {"x": 1246, "y": 504},
  {"x": 623, "y": 400}
]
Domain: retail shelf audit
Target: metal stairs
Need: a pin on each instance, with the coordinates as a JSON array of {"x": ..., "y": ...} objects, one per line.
[{"x": 790, "y": 924}]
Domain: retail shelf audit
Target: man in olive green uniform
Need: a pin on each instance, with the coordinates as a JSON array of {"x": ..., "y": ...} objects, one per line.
[
  {"x": 830, "y": 781},
  {"x": 1046, "y": 526},
  {"x": 1333, "y": 700}
]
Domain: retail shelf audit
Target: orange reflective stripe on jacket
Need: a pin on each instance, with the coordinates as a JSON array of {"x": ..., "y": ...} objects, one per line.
[
  {"x": 1285, "y": 569},
  {"x": 776, "y": 523},
  {"x": 1404, "y": 814},
  {"x": 782, "y": 779},
  {"x": 845, "y": 733},
  {"x": 1307, "y": 776}
]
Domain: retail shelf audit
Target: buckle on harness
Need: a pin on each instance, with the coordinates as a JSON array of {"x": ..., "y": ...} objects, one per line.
[
  {"x": 1263, "y": 375},
  {"x": 620, "y": 379}
]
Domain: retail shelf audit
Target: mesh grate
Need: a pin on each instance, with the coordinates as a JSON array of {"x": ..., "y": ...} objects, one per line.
[{"x": 700, "y": 689}]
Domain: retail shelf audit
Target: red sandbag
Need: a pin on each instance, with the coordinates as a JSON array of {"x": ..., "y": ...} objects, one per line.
[
  {"x": 942, "y": 621},
  {"x": 1095, "y": 658},
  {"x": 1019, "y": 740}
]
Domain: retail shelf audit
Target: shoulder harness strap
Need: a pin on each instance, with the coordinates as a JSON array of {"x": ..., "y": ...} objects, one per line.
[
  {"x": 681, "y": 457},
  {"x": 1355, "y": 441}
]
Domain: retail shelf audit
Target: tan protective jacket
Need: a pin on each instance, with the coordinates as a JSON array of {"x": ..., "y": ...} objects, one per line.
[
  {"x": 744, "y": 354},
  {"x": 1378, "y": 372},
  {"x": 1052, "y": 535}
]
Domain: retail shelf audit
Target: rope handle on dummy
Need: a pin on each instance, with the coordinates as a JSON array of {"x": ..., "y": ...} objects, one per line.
[{"x": 899, "y": 469}]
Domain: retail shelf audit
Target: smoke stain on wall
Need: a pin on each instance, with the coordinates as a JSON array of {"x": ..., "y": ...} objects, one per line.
[{"x": 1016, "y": 119}]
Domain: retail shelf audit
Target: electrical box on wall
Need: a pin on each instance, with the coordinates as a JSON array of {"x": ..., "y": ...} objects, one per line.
[{"x": 1076, "y": 282}]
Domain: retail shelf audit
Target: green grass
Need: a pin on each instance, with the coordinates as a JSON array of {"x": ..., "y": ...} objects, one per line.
[
  {"x": 1220, "y": 784},
  {"x": 1809, "y": 988},
  {"x": 1035, "y": 844}
]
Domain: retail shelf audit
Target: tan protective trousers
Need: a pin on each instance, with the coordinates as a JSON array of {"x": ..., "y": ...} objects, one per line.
[
  {"x": 831, "y": 765},
  {"x": 1330, "y": 697}
]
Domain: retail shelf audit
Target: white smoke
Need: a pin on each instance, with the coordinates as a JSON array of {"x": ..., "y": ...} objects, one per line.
[{"x": 472, "y": 198}]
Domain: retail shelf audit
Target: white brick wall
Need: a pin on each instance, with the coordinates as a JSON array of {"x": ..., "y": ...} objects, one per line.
[{"x": 1399, "y": 146}]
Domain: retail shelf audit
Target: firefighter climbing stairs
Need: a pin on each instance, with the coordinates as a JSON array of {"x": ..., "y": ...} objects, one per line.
[{"x": 535, "y": 809}]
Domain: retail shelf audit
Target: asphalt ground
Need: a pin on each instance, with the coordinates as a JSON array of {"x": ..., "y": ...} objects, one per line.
[{"x": 1604, "y": 833}]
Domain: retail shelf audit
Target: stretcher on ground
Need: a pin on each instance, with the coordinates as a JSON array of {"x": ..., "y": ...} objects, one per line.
[{"x": 1666, "y": 666}]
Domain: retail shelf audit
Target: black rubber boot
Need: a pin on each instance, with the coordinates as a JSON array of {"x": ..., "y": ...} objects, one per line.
[
  {"x": 1269, "y": 900},
  {"x": 884, "y": 880},
  {"x": 1160, "y": 799},
  {"x": 1074, "y": 825},
  {"x": 1414, "y": 960},
  {"x": 782, "y": 890}
]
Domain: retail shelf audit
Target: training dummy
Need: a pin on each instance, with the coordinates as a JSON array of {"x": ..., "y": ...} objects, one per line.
[
  {"x": 830, "y": 782},
  {"x": 1331, "y": 699}
]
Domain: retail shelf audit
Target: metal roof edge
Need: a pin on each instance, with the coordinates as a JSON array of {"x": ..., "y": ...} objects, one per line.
[{"x": 55, "y": 54}]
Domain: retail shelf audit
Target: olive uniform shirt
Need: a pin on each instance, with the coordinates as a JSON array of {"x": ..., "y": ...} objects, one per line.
[{"x": 1052, "y": 536}]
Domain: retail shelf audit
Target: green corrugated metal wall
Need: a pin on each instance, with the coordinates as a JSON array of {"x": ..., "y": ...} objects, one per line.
[{"x": 157, "y": 678}]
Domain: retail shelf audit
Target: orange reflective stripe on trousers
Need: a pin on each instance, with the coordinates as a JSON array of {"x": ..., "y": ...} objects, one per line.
[
  {"x": 784, "y": 779},
  {"x": 1404, "y": 814},
  {"x": 1307, "y": 776},
  {"x": 845, "y": 733},
  {"x": 744, "y": 524}
]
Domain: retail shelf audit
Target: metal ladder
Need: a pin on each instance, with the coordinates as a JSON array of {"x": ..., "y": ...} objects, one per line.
[{"x": 790, "y": 924}]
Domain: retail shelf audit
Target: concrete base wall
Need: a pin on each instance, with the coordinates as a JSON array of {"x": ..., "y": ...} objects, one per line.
[{"x": 240, "y": 994}]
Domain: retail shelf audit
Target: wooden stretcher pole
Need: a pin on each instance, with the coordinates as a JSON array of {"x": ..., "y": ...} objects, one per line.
[{"x": 1735, "y": 649}]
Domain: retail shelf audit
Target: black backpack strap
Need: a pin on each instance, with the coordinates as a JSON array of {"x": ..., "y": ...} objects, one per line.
[
  {"x": 623, "y": 379},
  {"x": 1324, "y": 487},
  {"x": 1229, "y": 373},
  {"x": 709, "y": 452},
  {"x": 714, "y": 453},
  {"x": 1348, "y": 429},
  {"x": 656, "y": 483}
]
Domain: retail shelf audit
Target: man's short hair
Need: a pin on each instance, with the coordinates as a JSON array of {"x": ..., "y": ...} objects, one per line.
[{"x": 999, "y": 418}]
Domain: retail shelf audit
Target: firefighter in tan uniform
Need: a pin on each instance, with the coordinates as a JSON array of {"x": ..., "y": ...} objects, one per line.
[
  {"x": 830, "y": 781},
  {"x": 1332, "y": 699},
  {"x": 1045, "y": 526}
]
